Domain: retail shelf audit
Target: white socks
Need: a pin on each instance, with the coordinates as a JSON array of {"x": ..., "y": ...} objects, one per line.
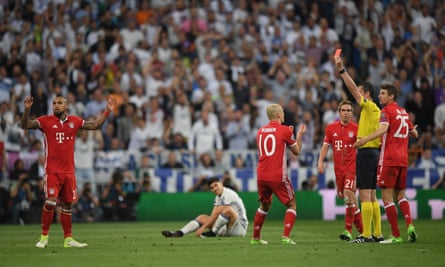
[{"x": 191, "y": 226}]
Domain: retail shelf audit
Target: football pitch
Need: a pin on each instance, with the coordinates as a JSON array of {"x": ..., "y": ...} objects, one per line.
[{"x": 141, "y": 244}]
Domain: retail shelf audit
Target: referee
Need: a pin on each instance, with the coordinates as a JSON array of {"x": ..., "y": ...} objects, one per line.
[{"x": 367, "y": 156}]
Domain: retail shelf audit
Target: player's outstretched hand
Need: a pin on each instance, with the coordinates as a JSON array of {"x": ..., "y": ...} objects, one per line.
[
  {"x": 302, "y": 129},
  {"x": 28, "y": 101},
  {"x": 114, "y": 101}
]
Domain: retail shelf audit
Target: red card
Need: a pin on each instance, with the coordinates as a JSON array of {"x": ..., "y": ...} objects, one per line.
[{"x": 337, "y": 52}]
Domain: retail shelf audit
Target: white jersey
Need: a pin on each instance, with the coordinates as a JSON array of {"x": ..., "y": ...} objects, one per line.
[{"x": 231, "y": 198}]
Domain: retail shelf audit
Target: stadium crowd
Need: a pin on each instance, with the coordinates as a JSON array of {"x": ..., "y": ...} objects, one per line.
[{"x": 197, "y": 76}]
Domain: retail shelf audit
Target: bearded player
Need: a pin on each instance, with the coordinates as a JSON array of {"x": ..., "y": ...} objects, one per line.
[{"x": 59, "y": 132}]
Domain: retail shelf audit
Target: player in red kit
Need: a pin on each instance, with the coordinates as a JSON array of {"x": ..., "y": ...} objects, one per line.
[
  {"x": 342, "y": 135},
  {"x": 395, "y": 129},
  {"x": 59, "y": 132},
  {"x": 272, "y": 141}
]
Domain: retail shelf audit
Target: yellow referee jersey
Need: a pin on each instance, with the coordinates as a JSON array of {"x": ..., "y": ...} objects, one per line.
[{"x": 369, "y": 122}]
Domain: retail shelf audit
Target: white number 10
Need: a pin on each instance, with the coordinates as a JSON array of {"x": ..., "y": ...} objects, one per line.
[{"x": 263, "y": 144}]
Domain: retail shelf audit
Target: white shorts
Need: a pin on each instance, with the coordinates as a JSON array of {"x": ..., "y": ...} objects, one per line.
[{"x": 239, "y": 228}]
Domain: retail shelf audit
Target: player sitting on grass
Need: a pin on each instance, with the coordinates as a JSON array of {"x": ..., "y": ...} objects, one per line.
[{"x": 228, "y": 217}]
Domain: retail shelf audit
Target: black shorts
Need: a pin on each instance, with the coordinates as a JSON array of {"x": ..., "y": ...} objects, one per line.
[{"x": 366, "y": 167}]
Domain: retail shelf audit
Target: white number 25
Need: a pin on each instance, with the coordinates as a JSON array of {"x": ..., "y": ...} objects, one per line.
[{"x": 403, "y": 130}]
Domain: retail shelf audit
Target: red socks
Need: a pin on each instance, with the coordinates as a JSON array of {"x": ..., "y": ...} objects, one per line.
[
  {"x": 289, "y": 221},
  {"x": 258, "y": 221},
  {"x": 391, "y": 214},
  {"x": 47, "y": 217},
  {"x": 65, "y": 220},
  {"x": 406, "y": 212}
]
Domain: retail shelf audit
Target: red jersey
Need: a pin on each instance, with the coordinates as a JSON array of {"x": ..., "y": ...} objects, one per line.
[
  {"x": 59, "y": 142},
  {"x": 394, "y": 150},
  {"x": 272, "y": 141},
  {"x": 342, "y": 138}
]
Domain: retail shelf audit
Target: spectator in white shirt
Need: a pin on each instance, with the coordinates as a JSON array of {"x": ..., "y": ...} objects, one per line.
[{"x": 205, "y": 136}]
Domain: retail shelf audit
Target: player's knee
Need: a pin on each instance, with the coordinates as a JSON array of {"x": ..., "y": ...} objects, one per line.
[
  {"x": 291, "y": 205},
  {"x": 265, "y": 206},
  {"x": 50, "y": 205},
  {"x": 66, "y": 206},
  {"x": 201, "y": 219}
]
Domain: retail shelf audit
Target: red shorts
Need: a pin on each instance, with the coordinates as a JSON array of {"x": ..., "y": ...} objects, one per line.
[
  {"x": 283, "y": 190},
  {"x": 345, "y": 181},
  {"x": 61, "y": 186},
  {"x": 392, "y": 177}
]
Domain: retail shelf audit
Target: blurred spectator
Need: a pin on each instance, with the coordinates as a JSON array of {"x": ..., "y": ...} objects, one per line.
[
  {"x": 74, "y": 107},
  {"x": 125, "y": 123},
  {"x": 154, "y": 119},
  {"x": 440, "y": 184},
  {"x": 310, "y": 135},
  {"x": 21, "y": 197},
  {"x": 131, "y": 186},
  {"x": 439, "y": 120},
  {"x": 182, "y": 115},
  {"x": 200, "y": 185},
  {"x": 131, "y": 33},
  {"x": 87, "y": 207},
  {"x": 239, "y": 163},
  {"x": 138, "y": 135},
  {"x": 172, "y": 162},
  {"x": 426, "y": 160},
  {"x": 84, "y": 151},
  {"x": 311, "y": 184},
  {"x": 175, "y": 142},
  {"x": 113, "y": 199},
  {"x": 228, "y": 181},
  {"x": 330, "y": 184},
  {"x": 6, "y": 84},
  {"x": 139, "y": 99},
  {"x": 204, "y": 170},
  {"x": 145, "y": 167},
  {"x": 21, "y": 89},
  {"x": 146, "y": 185},
  {"x": 205, "y": 136},
  {"x": 237, "y": 131},
  {"x": 97, "y": 103},
  {"x": 18, "y": 171},
  {"x": 37, "y": 169},
  {"x": 131, "y": 78},
  {"x": 144, "y": 12},
  {"x": 15, "y": 135}
]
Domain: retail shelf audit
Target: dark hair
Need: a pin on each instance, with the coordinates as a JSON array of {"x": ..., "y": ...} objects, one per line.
[
  {"x": 368, "y": 87},
  {"x": 212, "y": 180},
  {"x": 392, "y": 90}
]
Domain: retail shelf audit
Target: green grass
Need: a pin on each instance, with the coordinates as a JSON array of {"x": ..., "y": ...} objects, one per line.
[{"x": 141, "y": 244}]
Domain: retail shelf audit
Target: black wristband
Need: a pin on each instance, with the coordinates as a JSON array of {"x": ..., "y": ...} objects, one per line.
[{"x": 342, "y": 71}]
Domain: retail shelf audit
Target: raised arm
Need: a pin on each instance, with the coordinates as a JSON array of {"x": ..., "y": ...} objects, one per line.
[
  {"x": 297, "y": 148},
  {"x": 98, "y": 121},
  {"x": 347, "y": 79},
  {"x": 25, "y": 122}
]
